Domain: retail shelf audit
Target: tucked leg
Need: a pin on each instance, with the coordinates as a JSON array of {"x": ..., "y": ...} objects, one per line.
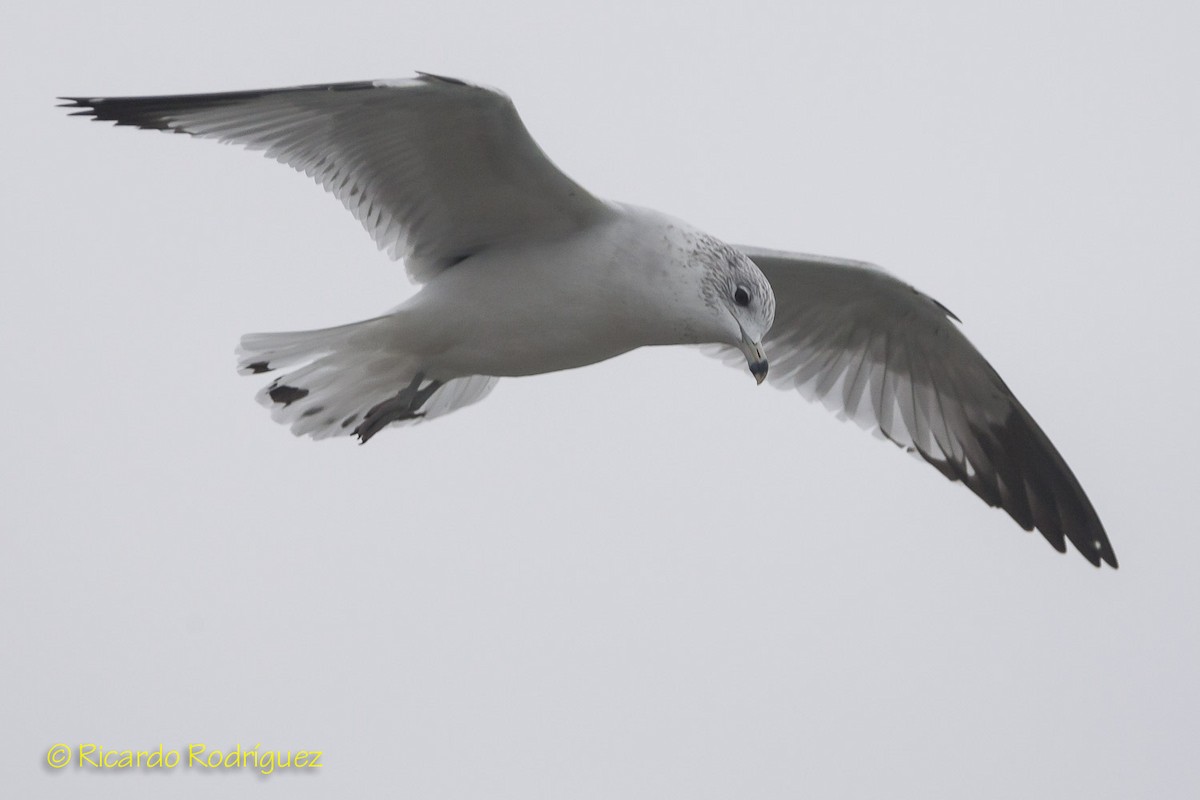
[{"x": 406, "y": 404}]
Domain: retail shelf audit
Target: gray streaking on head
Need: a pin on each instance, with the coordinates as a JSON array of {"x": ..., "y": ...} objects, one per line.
[{"x": 525, "y": 272}]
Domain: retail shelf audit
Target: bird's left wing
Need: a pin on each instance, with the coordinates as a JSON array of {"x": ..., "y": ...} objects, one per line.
[
  {"x": 434, "y": 168},
  {"x": 883, "y": 354}
]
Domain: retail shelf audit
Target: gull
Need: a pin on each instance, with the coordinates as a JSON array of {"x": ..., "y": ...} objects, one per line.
[{"x": 525, "y": 272}]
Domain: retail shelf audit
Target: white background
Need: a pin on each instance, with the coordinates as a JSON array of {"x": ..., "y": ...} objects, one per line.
[{"x": 647, "y": 578}]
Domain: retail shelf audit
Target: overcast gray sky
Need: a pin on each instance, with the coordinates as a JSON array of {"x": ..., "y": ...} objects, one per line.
[{"x": 648, "y": 578}]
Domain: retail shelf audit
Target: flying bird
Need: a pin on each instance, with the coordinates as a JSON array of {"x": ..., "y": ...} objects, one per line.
[{"x": 526, "y": 272}]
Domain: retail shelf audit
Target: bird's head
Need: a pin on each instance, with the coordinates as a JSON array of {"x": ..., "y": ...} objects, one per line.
[{"x": 739, "y": 294}]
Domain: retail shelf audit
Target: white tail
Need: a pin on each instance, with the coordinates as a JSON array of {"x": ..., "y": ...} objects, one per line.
[{"x": 352, "y": 380}]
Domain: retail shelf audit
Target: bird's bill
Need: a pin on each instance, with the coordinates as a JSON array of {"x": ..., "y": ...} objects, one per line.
[{"x": 756, "y": 359}]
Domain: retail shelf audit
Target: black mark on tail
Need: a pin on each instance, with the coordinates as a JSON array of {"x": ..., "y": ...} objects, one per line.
[{"x": 286, "y": 395}]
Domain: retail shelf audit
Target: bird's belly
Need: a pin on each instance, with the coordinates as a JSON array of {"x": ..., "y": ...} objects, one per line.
[
  {"x": 512, "y": 340},
  {"x": 528, "y": 317},
  {"x": 511, "y": 356}
]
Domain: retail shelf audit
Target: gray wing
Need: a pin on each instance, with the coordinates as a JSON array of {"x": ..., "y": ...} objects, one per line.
[
  {"x": 436, "y": 169},
  {"x": 883, "y": 354}
]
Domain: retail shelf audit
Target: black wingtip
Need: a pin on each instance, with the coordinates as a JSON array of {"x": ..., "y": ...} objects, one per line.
[
  {"x": 158, "y": 112},
  {"x": 1045, "y": 494},
  {"x": 80, "y": 106},
  {"x": 146, "y": 113},
  {"x": 1015, "y": 467}
]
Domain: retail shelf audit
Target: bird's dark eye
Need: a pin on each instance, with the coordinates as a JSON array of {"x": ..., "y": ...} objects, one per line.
[{"x": 741, "y": 296}]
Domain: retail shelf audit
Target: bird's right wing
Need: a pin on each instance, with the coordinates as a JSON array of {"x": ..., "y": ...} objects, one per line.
[
  {"x": 881, "y": 353},
  {"x": 434, "y": 168}
]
